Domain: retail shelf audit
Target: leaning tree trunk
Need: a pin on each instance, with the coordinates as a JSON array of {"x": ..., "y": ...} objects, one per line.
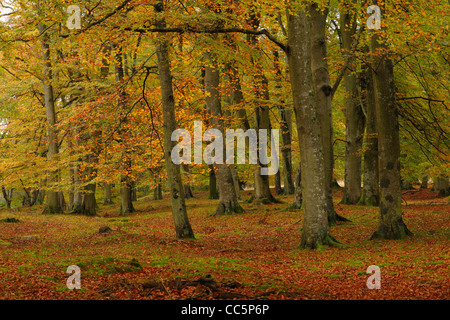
[
  {"x": 228, "y": 200},
  {"x": 315, "y": 231},
  {"x": 322, "y": 88},
  {"x": 52, "y": 204},
  {"x": 354, "y": 117},
  {"x": 391, "y": 225},
  {"x": 183, "y": 228}
]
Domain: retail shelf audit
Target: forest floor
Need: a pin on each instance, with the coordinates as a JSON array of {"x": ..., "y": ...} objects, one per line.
[{"x": 253, "y": 255}]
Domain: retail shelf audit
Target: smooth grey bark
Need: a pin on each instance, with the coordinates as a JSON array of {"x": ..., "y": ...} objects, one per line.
[
  {"x": 315, "y": 231},
  {"x": 322, "y": 87},
  {"x": 391, "y": 225},
  {"x": 262, "y": 192},
  {"x": 370, "y": 192},
  {"x": 52, "y": 205},
  {"x": 228, "y": 200},
  {"x": 354, "y": 117},
  {"x": 183, "y": 227},
  {"x": 107, "y": 194}
]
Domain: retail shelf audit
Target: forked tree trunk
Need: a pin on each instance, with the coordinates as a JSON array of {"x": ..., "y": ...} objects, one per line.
[
  {"x": 315, "y": 232},
  {"x": 183, "y": 228},
  {"x": 391, "y": 225}
]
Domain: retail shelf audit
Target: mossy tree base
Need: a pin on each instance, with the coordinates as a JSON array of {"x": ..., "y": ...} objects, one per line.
[
  {"x": 270, "y": 199},
  {"x": 319, "y": 242},
  {"x": 227, "y": 208},
  {"x": 334, "y": 218},
  {"x": 371, "y": 201},
  {"x": 393, "y": 231}
]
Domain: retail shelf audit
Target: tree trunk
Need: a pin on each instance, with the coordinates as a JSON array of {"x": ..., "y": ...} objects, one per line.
[
  {"x": 157, "y": 192},
  {"x": 107, "y": 194},
  {"x": 286, "y": 133},
  {"x": 228, "y": 200},
  {"x": 26, "y": 201},
  {"x": 391, "y": 225},
  {"x": 126, "y": 197},
  {"x": 6, "y": 197},
  {"x": 262, "y": 192},
  {"x": 322, "y": 88},
  {"x": 52, "y": 205},
  {"x": 354, "y": 117},
  {"x": 424, "y": 182},
  {"x": 370, "y": 193},
  {"x": 442, "y": 185},
  {"x": 183, "y": 228},
  {"x": 187, "y": 187},
  {"x": 315, "y": 232},
  {"x": 298, "y": 199},
  {"x": 213, "y": 191}
]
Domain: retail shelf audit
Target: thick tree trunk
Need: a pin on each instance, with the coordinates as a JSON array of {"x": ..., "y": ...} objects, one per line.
[
  {"x": 89, "y": 204},
  {"x": 126, "y": 197},
  {"x": 315, "y": 232},
  {"x": 107, "y": 193},
  {"x": 26, "y": 201},
  {"x": 391, "y": 225},
  {"x": 442, "y": 185},
  {"x": 322, "y": 88},
  {"x": 52, "y": 205},
  {"x": 228, "y": 200},
  {"x": 354, "y": 116},
  {"x": 370, "y": 193},
  {"x": 183, "y": 228}
]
